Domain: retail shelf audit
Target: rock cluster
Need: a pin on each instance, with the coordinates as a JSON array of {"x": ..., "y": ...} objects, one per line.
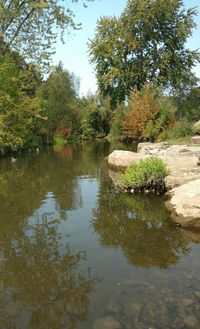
[{"x": 182, "y": 181}]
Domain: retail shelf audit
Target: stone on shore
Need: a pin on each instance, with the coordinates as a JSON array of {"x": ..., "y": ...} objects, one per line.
[
  {"x": 195, "y": 139},
  {"x": 185, "y": 204},
  {"x": 152, "y": 148},
  {"x": 123, "y": 159},
  {"x": 107, "y": 323},
  {"x": 182, "y": 181},
  {"x": 181, "y": 161}
]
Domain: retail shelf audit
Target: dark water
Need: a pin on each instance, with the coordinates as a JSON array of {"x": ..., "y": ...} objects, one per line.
[{"x": 76, "y": 253}]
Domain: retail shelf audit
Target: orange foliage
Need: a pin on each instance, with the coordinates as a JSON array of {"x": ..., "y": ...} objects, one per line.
[
  {"x": 142, "y": 107},
  {"x": 65, "y": 132}
]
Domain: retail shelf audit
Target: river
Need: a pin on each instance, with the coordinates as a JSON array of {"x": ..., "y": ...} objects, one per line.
[{"x": 76, "y": 253}]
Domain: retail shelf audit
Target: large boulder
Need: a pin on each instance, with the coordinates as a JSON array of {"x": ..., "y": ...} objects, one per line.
[
  {"x": 181, "y": 161},
  {"x": 185, "y": 204},
  {"x": 181, "y": 169},
  {"x": 123, "y": 159}
]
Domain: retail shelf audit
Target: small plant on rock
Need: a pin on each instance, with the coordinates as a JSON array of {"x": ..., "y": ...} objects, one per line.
[{"x": 147, "y": 175}]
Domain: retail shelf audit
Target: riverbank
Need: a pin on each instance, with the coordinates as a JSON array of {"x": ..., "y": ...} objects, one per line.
[{"x": 182, "y": 182}]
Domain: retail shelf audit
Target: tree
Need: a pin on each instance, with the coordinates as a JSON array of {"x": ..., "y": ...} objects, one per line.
[
  {"x": 146, "y": 44},
  {"x": 59, "y": 102},
  {"x": 20, "y": 113},
  {"x": 31, "y": 26},
  {"x": 96, "y": 116},
  {"x": 189, "y": 107},
  {"x": 149, "y": 114}
]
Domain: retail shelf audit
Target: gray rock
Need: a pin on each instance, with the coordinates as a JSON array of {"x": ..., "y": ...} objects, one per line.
[{"x": 106, "y": 323}]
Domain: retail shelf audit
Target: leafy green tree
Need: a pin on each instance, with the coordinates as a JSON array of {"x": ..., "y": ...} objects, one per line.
[
  {"x": 96, "y": 116},
  {"x": 59, "y": 102},
  {"x": 31, "y": 27},
  {"x": 189, "y": 107},
  {"x": 20, "y": 113},
  {"x": 146, "y": 44}
]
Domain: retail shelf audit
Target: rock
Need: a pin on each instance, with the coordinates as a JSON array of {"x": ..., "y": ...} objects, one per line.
[
  {"x": 197, "y": 293},
  {"x": 185, "y": 204},
  {"x": 178, "y": 324},
  {"x": 183, "y": 177},
  {"x": 191, "y": 321},
  {"x": 113, "y": 306},
  {"x": 152, "y": 148},
  {"x": 187, "y": 302},
  {"x": 106, "y": 323},
  {"x": 123, "y": 159},
  {"x": 132, "y": 309},
  {"x": 179, "y": 171},
  {"x": 195, "y": 139}
]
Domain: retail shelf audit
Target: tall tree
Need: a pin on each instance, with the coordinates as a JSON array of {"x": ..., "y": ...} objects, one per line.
[
  {"x": 58, "y": 100},
  {"x": 20, "y": 113},
  {"x": 31, "y": 26},
  {"x": 146, "y": 44}
]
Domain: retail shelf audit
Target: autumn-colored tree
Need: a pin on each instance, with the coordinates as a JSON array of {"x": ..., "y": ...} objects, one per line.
[{"x": 149, "y": 113}]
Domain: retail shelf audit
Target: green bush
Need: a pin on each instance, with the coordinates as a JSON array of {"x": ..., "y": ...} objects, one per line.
[
  {"x": 182, "y": 129},
  {"x": 145, "y": 173}
]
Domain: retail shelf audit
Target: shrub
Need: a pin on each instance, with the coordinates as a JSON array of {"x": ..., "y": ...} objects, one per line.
[
  {"x": 149, "y": 114},
  {"x": 146, "y": 174},
  {"x": 180, "y": 130}
]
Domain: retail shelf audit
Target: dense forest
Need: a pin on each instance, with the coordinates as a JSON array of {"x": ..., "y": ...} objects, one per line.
[{"x": 147, "y": 89}]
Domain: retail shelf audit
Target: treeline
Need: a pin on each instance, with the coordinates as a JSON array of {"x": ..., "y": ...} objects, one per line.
[
  {"x": 146, "y": 70},
  {"x": 34, "y": 111},
  {"x": 146, "y": 86}
]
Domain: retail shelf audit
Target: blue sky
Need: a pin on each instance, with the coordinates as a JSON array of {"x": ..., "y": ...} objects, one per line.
[{"x": 74, "y": 53}]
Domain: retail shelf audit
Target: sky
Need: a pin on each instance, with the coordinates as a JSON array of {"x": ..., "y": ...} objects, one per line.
[{"x": 74, "y": 53}]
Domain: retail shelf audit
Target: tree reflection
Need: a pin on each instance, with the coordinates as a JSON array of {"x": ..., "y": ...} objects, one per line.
[
  {"x": 139, "y": 225},
  {"x": 42, "y": 284}
]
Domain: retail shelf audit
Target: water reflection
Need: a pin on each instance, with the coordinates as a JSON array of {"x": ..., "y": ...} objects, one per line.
[
  {"x": 43, "y": 284},
  {"x": 140, "y": 227},
  {"x": 50, "y": 205}
]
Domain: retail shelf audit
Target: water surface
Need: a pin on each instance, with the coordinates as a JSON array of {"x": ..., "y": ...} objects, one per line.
[{"x": 74, "y": 250}]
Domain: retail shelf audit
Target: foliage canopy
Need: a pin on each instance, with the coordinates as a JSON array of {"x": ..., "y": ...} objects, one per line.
[
  {"x": 31, "y": 27},
  {"x": 146, "y": 44}
]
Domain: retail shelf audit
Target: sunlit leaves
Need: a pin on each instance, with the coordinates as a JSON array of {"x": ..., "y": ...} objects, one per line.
[
  {"x": 31, "y": 27},
  {"x": 145, "y": 44}
]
